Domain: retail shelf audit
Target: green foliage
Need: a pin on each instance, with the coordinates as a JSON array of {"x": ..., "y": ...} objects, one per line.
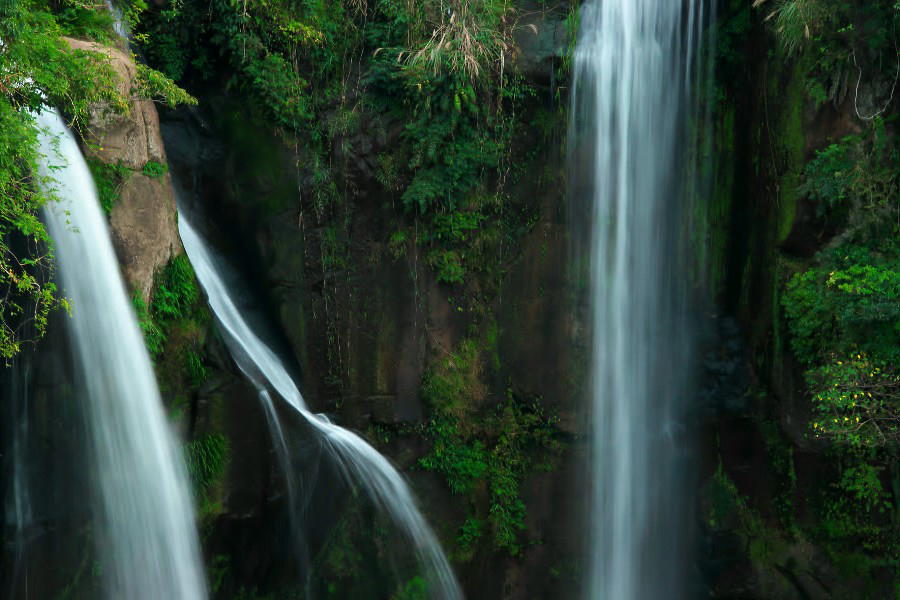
[
  {"x": 484, "y": 451},
  {"x": 313, "y": 67},
  {"x": 196, "y": 370},
  {"x": 469, "y": 535},
  {"x": 857, "y": 173},
  {"x": 80, "y": 21},
  {"x": 44, "y": 70},
  {"x": 462, "y": 463},
  {"x": 341, "y": 556},
  {"x": 520, "y": 428},
  {"x": 855, "y": 516},
  {"x": 414, "y": 589},
  {"x": 829, "y": 176},
  {"x": 206, "y": 458},
  {"x": 835, "y": 37},
  {"x": 857, "y": 401},
  {"x": 843, "y": 312},
  {"x": 174, "y": 300},
  {"x": 154, "y": 336},
  {"x": 38, "y": 68},
  {"x": 154, "y": 169},
  {"x": 154, "y": 85},
  {"x": 109, "y": 179},
  {"x": 25, "y": 251},
  {"x": 177, "y": 291},
  {"x": 795, "y": 20},
  {"x": 845, "y": 326},
  {"x": 447, "y": 265},
  {"x": 466, "y": 38},
  {"x": 729, "y": 509}
]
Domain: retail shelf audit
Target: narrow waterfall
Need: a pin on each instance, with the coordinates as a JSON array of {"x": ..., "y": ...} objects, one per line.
[
  {"x": 18, "y": 504},
  {"x": 118, "y": 20},
  {"x": 358, "y": 460},
  {"x": 635, "y": 66},
  {"x": 145, "y": 529}
]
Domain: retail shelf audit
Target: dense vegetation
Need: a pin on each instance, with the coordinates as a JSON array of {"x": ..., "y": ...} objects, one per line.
[
  {"x": 841, "y": 305},
  {"x": 429, "y": 85},
  {"x": 40, "y": 70}
]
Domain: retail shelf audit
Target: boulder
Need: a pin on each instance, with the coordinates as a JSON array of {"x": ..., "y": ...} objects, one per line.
[{"x": 143, "y": 221}]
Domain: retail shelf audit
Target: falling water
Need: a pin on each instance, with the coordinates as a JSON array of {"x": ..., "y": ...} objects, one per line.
[
  {"x": 118, "y": 20},
  {"x": 19, "y": 508},
  {"x": 146, "y": 535},
  {"x": 635, "y": 63},
  {"x": 357, "y": 459}
]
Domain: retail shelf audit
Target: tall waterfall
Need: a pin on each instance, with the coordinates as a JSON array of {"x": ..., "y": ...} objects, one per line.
[
  {"x": 636, "y": 64},
  {"x": 145, "y": 529},
  {"x": 359, "y": 461}
]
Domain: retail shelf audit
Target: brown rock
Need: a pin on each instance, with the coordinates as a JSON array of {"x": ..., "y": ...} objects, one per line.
[
  {"x": 143, "y": 221},
  {"x": 144, "y": 229}
]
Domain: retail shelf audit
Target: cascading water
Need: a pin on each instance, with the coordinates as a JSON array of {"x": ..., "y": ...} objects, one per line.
[
  {"x": 19, "y": 508},
  {"x": 118, "y": 20},
  {"x": 635, "y": 66},
  {"x": 145, "y": 528},
  {"x": 357, "y": 459}
]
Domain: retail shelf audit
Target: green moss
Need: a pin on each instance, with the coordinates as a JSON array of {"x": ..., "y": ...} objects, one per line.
[
  {"x": 765, "y": 545},
  {"x": 154, "y": 169},
  {"x": 207, "y": 459},
  {"x": 712, "y": 214},
  {"x": 109, "y": 179},
  {"x": 414, "y": 589},
  {"x": 790, "y": 137},
  {"x": 484, "y": 451},
  {"x": 342, "y": 562},
  {"x": 154, "y": 337}
]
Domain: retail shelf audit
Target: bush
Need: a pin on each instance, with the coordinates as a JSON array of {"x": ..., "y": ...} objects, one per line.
[
  {"x": 109, "y": 179},
  {"x": 154, "y": 169}
]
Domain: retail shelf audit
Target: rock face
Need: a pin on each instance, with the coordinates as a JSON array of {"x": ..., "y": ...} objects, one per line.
[
  {"x": 542, "y": 38},
  {"x": 143, "y": 220}
]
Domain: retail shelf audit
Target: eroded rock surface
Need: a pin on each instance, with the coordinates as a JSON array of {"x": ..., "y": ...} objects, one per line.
[{"x": 143, "y": 220}]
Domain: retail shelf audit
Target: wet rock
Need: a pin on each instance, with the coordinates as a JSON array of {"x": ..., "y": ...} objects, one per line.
[{"x": 541, "y": 41}]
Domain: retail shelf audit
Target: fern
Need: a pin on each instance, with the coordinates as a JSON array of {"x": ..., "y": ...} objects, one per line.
[{"x": 206, "y": 459}]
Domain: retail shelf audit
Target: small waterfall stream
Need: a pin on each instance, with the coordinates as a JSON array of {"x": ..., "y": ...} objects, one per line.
[
  {"x": 145, "y": 530},
  {"x": 359, "y": 461},
  {"x": 634, "y": 72}
]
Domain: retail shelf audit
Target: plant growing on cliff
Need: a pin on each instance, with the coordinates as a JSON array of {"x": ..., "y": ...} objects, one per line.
[
  {"x": 844, "y": 312},
  {"x": 38, "y": 69},
  {"x": 108, "y": 178},
  {"x": 840, "y": 43},
  {"x": 795, "y": 20},
  {"x": 206, "y": 459},
  {"x": 844, "y": 317},
  {"x": 154, "y": 85},
  {"x": 481, "y": 450}
]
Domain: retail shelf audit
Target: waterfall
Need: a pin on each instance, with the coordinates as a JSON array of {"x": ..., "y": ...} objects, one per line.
[
  {"x": 145, "y": 529},
  {"x": 118, "y": 20},
  {"x": 19, "y": 503},
  {"x": 635, "y": 68},
  {"x": 358, "y": 461}
]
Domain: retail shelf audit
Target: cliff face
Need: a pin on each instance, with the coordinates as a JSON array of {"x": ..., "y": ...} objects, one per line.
[
  {"x": 142, "y": 218},
  {"x": 367, "y": 323},
  {"x": 351, "y": 298},
  {"x": 764, "y": 505}
]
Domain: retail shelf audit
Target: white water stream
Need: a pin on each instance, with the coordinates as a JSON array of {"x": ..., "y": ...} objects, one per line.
[
  {"x": 145, "y": 531},
  {"x": 359, "y": 461},
  {"x": 635, "y": 68}
]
